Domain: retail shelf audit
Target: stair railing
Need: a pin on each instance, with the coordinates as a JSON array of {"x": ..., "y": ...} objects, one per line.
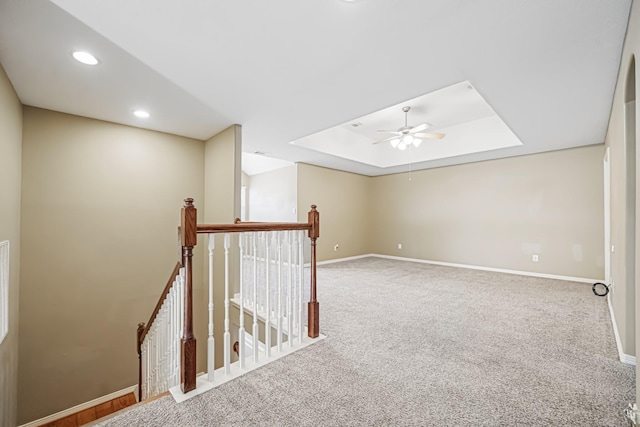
[
  {"x": 158, "y": 340},
  {"x": 270, "y": 283}
]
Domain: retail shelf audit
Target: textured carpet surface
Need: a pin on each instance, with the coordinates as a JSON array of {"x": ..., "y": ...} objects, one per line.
[{"x": 424, "y": 345}]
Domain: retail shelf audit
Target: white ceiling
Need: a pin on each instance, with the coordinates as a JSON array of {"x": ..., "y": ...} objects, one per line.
[
  {"x": 459, "y": 112},
  {"x": 286, "y": 69},
  {"x": 254, "y": 164}
]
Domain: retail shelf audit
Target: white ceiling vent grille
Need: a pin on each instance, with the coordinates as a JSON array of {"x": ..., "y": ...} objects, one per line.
[{"x": 4, "y": 289}]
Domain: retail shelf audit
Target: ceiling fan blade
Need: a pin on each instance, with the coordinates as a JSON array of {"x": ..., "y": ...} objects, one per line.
[
  {"x": 429, "y": 135},
  {"x": 391, "y": 131},
  {"x": 385, "y": 140},
  {"x": 420, "y": 128}
]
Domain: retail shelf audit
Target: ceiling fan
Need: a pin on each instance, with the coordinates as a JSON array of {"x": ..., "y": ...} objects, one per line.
[{"x": 409, "y": 135}]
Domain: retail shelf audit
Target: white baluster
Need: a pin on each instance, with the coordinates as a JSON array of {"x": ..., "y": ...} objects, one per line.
[
  {"x": 247, "y": 248},
  {"x": 244, "y": 255},
  {"x": 267, "y": 324},
  {"x": 149, "y": 361},
  {"x": 161, "y": 349},
  {"x": 154, "y": 374},
  {"x": 145, "y": 364},
  {"x": 279, "y": 308},
  {"x": 227, "y": 335},
  {"x": 149, "y": 365},
  {"x": 211, "y": 352},
  {"x": 255, "y": 297},
  {"x": 160, "y": 354},
  {"x": 241, "y": 328},
  {"x": 168, "y": 367},
  {"x": 260, "y": 255},
  {"x": 165, "y": 348},
  {"x": 172, "y": 358},
  {"x": 300, "y": 284},
  {"x": 167, "y": 344},
  {"x": 153, "y": 358},
  {"x": 158, "y": 357},
  {"x": 290, "y": 292},
  {"x": 176, "y": 331},
  {"x": 146, "y": 370},
  {"x": 294, "y": 282},
  {"x": 181, "y": 280},
  {"x": 156, "y": 361},
  {"x": 152, "y": 363}
]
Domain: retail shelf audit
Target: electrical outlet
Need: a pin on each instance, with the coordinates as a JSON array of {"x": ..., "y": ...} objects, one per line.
[
  {"x": 399, "y": 245},
  {"x": 534, "y": 258}
]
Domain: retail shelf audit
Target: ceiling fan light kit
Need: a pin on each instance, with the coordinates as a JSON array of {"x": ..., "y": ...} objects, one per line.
[{"x": 408, "y": 136}]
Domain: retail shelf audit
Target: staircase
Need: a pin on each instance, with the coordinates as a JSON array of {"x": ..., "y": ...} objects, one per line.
[{"x": 263, "y": 287}]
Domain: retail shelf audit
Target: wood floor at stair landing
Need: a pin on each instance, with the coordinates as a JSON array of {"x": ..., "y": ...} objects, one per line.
[{"x": 94, "y": 413}]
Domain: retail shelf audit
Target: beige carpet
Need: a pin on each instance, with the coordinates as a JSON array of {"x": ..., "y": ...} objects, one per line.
[{"x": 416, "y": 344}]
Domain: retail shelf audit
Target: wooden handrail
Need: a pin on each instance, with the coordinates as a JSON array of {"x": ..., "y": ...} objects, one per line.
[
  {"x": 163, "y": 295},
  {"x": 241, "y": 227}
]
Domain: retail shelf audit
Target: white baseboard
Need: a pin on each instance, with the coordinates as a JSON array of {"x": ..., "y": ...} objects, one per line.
[
  {"x": 496, "y": 270},
  {"x": 624, "y": 358},
  {"x": 629, "y": 360},
  {"x": 58, "y": 415}
]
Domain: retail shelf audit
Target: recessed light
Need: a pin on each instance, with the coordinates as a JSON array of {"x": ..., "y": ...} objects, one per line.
[
  {"x": 85, "y": 57},
  {"x": 142, "y": 114}
]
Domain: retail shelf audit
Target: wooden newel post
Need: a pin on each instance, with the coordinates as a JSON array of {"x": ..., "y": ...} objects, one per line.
[
  {"x": 139, "y": 348},
  {"x": 314, "y": 306},
  {"x": 189, "y": 236}
]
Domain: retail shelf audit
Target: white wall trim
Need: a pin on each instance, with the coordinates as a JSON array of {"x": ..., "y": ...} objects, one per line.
[
  {"x": 628, "y": 359},
  {"x": 624, "y": 358},
  {"x": 496, "y": 270},
  {"x": 58, "y": 415}
]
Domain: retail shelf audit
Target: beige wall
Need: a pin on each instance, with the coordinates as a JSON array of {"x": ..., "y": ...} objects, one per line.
[
  {"x": 100, "y": 208},
  {"x": 273, "y": 195},
  {"x": 624, "y": 194},
  {"x": 222, "y": 182},
  {"x": 343, "y": 202},
  {"x": 10, "y": 172},
  {"x": 498, "y": 213}
]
